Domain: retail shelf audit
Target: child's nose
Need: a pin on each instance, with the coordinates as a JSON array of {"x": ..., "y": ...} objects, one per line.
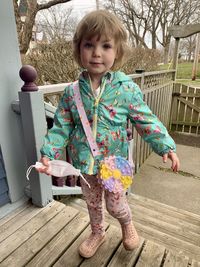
[{"x": 97, "y": 51}]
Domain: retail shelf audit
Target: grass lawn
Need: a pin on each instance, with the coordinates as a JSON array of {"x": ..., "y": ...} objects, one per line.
[{"x": 184, "y": 73}]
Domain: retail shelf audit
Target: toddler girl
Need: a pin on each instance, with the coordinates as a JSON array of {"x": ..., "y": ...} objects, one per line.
[{"x": 110, "y": 98}]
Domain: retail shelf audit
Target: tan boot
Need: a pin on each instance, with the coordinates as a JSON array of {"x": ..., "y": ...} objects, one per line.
[
  {"x": 89, "y": 247},
  {"x": 129, "y": 236}
]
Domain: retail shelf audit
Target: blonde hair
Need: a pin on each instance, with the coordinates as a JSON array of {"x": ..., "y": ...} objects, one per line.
[{"x": 102, "y": 23}]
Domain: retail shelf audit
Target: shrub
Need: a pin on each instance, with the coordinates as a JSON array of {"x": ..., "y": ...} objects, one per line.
[
  {"x": 141, "y": 58},
  {"x": 53, "y": 62}
]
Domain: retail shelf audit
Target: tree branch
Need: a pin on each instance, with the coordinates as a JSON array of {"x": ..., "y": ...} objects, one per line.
[{"x": 51, "y": 3}]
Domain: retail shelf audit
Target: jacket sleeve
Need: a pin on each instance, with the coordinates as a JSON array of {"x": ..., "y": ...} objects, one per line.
[
  {"x": 57, "y": 137},
  {"x": 148, "y": 125}
]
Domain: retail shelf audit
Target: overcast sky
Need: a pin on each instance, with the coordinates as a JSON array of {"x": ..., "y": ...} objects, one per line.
[
  {"x": 84, "y": 4},
  {"x": 80, "y": 7}
]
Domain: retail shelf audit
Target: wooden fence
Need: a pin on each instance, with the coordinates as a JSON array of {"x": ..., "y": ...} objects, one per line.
[
  {"x": 185, "y": 115},
  {"x": 157, "y": 89}
]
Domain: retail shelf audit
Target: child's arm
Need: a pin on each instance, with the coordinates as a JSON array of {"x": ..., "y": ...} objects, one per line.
[
  {"x": 151, "y": 129},
  {"x": 57, "y": 137}
]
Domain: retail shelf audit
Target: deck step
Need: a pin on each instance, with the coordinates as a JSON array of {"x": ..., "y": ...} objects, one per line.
[{"x": 175, "y": 229}]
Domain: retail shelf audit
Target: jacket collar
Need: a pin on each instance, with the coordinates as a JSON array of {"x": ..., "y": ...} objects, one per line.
[{"x": 110, "y": 76}]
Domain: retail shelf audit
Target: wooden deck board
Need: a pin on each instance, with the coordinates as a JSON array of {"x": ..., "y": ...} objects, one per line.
[
  {"x": 14, "y": 213},
  {"x": 165, "y": 209},
  {"x": 186, "y": 226},
  {"x": 38, "y": 240},
  {"x": 195, "y": 264},
  {"x": 50, "y": 236},
  {"x": 16, "y": 222},
  {"x": 175, "y": 260},
  {"x": 13, "y": 241},
  {"x": 61, "y": 242},
  {"x": 151, "y": 256},
  {"x": 170, "y": 242},
  {"x": 123, "y": 258}
]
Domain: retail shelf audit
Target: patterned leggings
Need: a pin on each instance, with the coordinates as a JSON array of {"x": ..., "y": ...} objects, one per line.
[{"x": 116, "y": 204}]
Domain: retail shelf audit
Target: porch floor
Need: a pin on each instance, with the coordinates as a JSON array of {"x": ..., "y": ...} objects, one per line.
[{"x": 50, "y": 236}]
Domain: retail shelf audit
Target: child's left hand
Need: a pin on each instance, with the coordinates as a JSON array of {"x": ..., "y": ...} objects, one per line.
[{"x": 174, "y": 158}]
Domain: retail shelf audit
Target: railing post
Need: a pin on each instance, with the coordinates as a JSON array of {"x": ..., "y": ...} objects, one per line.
[
  {"x": 175, "y": 58},
  {"x": 34, "y": 128},
  {"x": 141, "y": 71}
]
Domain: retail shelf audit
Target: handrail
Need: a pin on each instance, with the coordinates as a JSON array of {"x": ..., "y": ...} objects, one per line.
[
  {"x": 59, "y": 88},
  {"x": 52, "y": 88}
]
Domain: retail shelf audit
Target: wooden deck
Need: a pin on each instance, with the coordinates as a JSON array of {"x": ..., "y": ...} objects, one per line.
[{"x": 50, "y": 236}]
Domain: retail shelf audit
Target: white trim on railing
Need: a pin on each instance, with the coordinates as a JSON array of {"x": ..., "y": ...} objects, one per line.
[{"x": 52, "y": 88}]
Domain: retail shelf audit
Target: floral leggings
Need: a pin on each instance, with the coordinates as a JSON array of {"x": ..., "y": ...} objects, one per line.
[{"x": 116, "y": 204}]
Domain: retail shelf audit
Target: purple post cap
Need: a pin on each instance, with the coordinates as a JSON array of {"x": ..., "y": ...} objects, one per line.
[
  {"x": 129, "y": 133},
  {"x": 28, "y": 74}
]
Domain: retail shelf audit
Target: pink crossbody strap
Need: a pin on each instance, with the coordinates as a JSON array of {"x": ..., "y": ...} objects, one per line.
[{"x": 84, "y": 120}]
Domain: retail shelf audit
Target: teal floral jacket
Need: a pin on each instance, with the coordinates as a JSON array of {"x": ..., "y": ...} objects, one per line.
[{"x": 120, "y": 99}]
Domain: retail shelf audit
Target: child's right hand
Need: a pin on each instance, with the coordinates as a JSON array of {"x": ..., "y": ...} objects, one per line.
[{"x": 44, "y": 168}]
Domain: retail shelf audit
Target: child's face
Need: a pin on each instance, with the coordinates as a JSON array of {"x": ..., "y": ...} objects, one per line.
[{"x": 97, "y": 55}]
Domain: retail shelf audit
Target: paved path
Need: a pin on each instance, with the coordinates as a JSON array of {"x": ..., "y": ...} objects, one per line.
[{"x": 156, "y": 181}]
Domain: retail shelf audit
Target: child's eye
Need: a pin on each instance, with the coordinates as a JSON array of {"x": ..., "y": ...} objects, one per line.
[
  {"x": 88, "y": 45},
  {"x": 107, "y": 46}
]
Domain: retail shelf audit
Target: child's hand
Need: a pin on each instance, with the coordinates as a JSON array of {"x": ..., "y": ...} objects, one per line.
[
  {"x": 174, "y": 158},
  {"x": 43, "y": 169}
]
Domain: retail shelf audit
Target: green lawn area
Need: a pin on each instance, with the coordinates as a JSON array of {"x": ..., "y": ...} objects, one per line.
[{"x": 184, "y": 73}]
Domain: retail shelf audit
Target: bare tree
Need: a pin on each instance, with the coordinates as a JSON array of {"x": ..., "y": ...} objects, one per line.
[
  {"x": 187, "y": 47},
  {"x": 53, "y": 57},
  {"x": 174, "y": 12},
  {"x": 24, "y": 29},
  {"x": 147, "y": 20},
  {"x": 133, "y": 19},
  {"x": 57, "y": 23}
]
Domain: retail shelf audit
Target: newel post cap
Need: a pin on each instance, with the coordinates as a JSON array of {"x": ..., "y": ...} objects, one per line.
[{"x": 28, "y": 74}]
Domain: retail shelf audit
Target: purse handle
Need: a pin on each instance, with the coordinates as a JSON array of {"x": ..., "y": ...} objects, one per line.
[{"x": 84, "y": 120}]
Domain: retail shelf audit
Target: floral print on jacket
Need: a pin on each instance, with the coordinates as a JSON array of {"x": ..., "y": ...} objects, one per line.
[{"x": 120, "y": 100}]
